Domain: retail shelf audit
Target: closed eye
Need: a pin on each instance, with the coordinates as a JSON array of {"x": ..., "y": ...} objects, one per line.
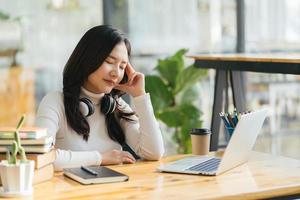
[
  {"x": 109, "y": 61},
  {"x": 122, "y": 67},
  {"x": 110, "y": 57}
]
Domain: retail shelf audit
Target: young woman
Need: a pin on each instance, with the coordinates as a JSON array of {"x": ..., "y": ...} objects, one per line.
[{"x": 89, "y": 120}]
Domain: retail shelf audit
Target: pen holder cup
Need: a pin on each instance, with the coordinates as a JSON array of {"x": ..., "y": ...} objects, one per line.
[{"x": 228, "y": 133}]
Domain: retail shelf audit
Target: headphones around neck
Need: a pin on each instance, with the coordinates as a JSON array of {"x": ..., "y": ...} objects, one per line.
[{"x": 87, "y": 108}]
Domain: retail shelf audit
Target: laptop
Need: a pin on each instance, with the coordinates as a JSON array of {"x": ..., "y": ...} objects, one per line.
[{"x": 237, "y": 152}]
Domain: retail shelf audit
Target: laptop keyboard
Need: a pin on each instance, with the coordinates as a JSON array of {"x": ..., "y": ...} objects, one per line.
[{"x": 206, "y": 166}]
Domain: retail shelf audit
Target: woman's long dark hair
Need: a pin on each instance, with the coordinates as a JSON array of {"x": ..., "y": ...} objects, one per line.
[{"x": 91, "y": 51}]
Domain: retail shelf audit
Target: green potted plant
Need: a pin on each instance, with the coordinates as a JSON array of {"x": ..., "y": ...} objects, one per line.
[
  {"x": 173, "y": 95},
  {"x": 16, "y": 175}
]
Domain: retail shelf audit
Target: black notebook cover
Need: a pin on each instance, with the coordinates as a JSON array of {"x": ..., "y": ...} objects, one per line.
[{"x": 105, "y": 175}]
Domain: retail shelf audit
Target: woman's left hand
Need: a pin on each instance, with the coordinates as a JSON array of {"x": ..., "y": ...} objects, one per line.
[{"x": 135, "y": 85}]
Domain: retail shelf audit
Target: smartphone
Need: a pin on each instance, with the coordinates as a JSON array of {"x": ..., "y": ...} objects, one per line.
[{"x": 125, "y": 79}]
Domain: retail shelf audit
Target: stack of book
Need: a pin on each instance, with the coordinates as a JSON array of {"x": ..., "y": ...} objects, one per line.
[
  {"x": 33, "y": 139},
  {"x": 38, "y": 147}
]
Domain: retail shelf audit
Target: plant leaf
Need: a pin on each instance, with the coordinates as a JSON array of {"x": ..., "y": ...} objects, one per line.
[
  {"x": 160, "y": 95},
  {"x": 185, "y": 131},
  {"x": 188, "y": 77},
  {"x": 190, "y": 111},
  {"x": 185, "y": 117},
  {"x": 188, "y": 125},
  {"x": 4, "y": 16},
  {"x": 176, "y": 116},
  {"x": 188, "y": 95},
  {"x": 170, "y": 67},
  {"x": 172, "y": 117}
]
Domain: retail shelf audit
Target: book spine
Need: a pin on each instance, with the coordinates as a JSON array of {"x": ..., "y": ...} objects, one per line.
[
  {"x": 43, "y": 174},
  {"x": 23, "y": 135},
  {"x": 40, "y": 160}
]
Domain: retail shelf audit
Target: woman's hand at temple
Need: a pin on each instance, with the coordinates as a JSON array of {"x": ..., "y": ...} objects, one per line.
[
  {"x": 116, "y": 157},
  {"x": 135, "y": 85}
]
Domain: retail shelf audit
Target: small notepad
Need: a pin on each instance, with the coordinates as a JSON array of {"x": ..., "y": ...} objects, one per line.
[{"x": 105, "y": 175}]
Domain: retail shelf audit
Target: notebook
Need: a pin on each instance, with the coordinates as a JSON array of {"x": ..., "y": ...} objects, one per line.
[
  {"x": 103, "y": 175},
  {"x": 237, "y": 152}
]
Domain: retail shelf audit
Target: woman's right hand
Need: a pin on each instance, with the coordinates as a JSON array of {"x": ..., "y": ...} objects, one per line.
[
  {"x": 116, "y": 157},
  {"x": 135, "y": 85}
]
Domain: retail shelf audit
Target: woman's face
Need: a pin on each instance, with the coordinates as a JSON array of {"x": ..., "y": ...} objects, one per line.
[{"x": 110, "y": 73}]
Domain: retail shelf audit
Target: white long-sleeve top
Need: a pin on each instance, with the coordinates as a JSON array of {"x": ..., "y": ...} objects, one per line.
[{"x": 143, "y": 135}]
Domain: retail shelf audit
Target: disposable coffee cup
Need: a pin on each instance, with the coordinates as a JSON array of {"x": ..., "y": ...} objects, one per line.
[{"x": 200, "y": 141}]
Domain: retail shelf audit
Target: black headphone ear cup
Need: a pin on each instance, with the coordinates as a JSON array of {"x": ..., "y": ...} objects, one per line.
[
  {"x": 108, "y": 104},
  {"x": 86, "y": 107}
]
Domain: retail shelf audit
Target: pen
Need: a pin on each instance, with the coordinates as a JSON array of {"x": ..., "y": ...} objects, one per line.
[
  {"x": 88, "y": 170},
  {"x": 235, "y": 118},
  {"x": 228, "y": 117},
  {"x": 227, "y": 124}
]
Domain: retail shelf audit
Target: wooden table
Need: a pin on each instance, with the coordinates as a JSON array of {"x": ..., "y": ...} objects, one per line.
[
  {"x": 230, "y": 66},
  {"x": 263, "y": 176}
]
